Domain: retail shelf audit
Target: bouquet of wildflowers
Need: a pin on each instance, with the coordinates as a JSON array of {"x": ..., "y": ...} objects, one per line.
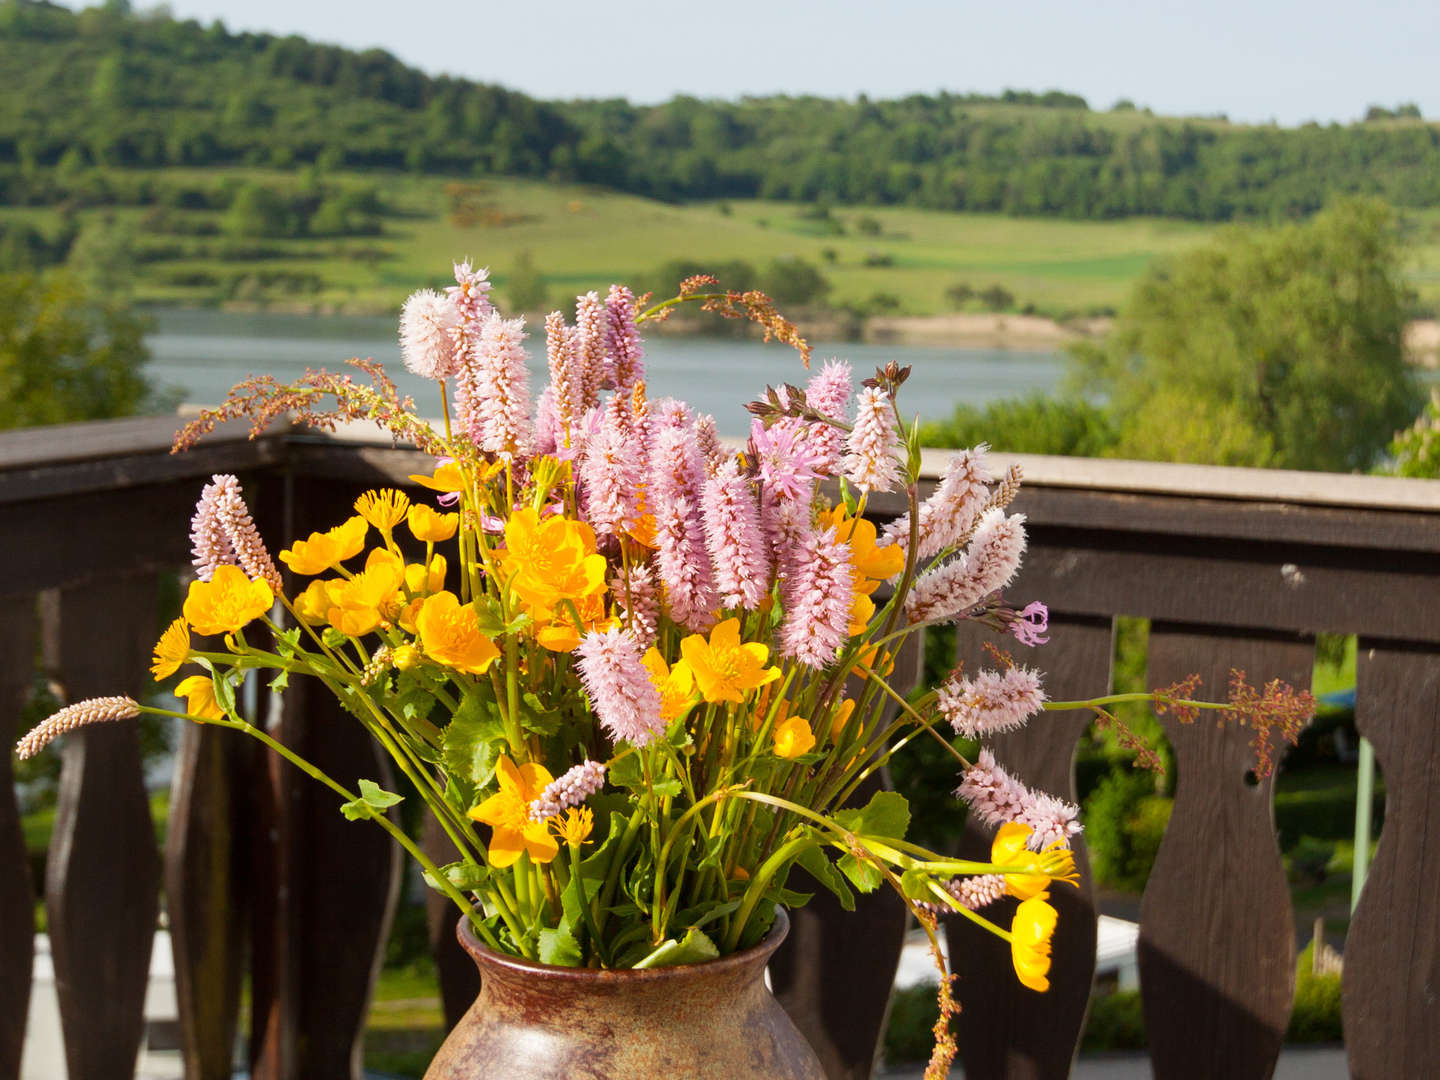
[{"x": 636, "y": 675}]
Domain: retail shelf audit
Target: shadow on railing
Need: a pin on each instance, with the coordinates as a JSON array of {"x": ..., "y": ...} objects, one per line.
[{"x": 1235, "y": 568}]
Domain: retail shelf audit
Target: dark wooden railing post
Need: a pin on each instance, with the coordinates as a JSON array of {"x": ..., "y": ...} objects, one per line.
[
  {"x": 104, "y": 871},
  {"x": 1005, "y": 1029},
  {"x": 17, "y": 898},
  {"x": 1392, "y": 953},
  {"x": 1217, "y": 938}
]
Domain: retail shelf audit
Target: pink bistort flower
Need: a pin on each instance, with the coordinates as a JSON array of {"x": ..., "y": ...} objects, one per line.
[
  {"x": 990, "y": 563},
  {"x": 870, "y": 461},
  {"x": 787, "y": 462},
  {"x": 947, "y": 515},
  {"x": 828, "y": 392},
  {"x": 428, "y": 325},
  {"x": 567, "y": 380},
  {"x": 818, "y": 599},
  {"x": 570, "y": 788},
  {"x": 991, "y": 702},
  {"x": 996, "y": 797},
  {"x": 612, "y": 472},
  {"x": 493, "y": 390},
  {"x": 622, "y": 338},
  {"x": 732, "y": 535},
  {"x": 620, "y": 689}
]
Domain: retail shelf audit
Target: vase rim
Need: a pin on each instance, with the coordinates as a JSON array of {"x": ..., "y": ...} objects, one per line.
[{"x": 760, "y": 951}]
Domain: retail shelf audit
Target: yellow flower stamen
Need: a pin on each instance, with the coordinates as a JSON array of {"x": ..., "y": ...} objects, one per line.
[
  {"x": 384, "y": 508},
  {"x": 171, "y": 650}
]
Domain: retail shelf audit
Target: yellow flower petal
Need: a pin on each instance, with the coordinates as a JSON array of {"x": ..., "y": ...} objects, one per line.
[
  {"x": 384, "y": 508},
  {"x": 199, "y": 694},
  {"x": 450, "y": 634},
  {"x": 793, "y": 737},
  {"x": 226, "y": 602},
  {"x": 430, "y": 526},
  {"x": 171, "y": 650}
]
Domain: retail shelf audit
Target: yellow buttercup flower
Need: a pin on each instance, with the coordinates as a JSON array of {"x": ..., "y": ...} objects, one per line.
[
  {"x": 422, "y": 580},
  {"x": 406, "y": 657},
  {"x": 723, "y": 667},
  {"x": 431, "y": 526},
  {"x": 313, "y": 605},
  {"x": 448, "y": 477},
  {"x": 1010, "y": 848},
  {"x": 321, "y": 551},
  {"x": 226, "y": 602},
  {"x": 371, "y": 597},
  {"x": 1030, "y": 933},
  {"x": 171, "y": 650},
  {"x": 507, "y": 812},
  {"x": 575, "y": 825},
  {"x": 793, "y": 737},
  {"x": 871, "y": 564},
  {"x": 862, "y": 610},
  {"x": 550, "y": 559},
  {"x": 384, "y": 508},
  {"x": 840, "y": 717},
  {"x": 199, "y": 694},
  {"x": 555, "y": 628},
  {"x": 676, "y": 685},
  {"x": 450, "y": 634}
]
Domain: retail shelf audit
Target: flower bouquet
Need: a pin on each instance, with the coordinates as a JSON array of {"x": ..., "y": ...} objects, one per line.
[{"x": 637, "y": 675}]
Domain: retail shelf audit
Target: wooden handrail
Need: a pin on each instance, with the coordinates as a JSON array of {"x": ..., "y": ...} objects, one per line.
[{"x": 1235, "y": 568}]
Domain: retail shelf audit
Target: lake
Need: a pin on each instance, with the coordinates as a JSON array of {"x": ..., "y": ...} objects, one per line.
[{"x": 204, "y": 353}]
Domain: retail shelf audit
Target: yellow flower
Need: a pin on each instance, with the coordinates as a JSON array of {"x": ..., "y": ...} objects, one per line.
[
  {"x": 199, "y": 694},
  {"x": 1030, "y": 933},
  {"x": 321, "y": 551},
  {"x": 551, "y": 559},
  {"x": 555, "y": 628},
  {"x": 430, "y": 526},
  {"x": 313, "y": 605},
  {"x": 871, "y": 564},
  {"x": 426, "y": 579},
  {"x": 171, "y": 650},
  {"x": 370, "y": 597},
  {"x": 406, "y": 657},
  {"x": 507, "y": 812},
  {"x": 451, "y": 635},
  {"x": 793, "y": 737},
  {"x": 676, "y": 685},
  {"x": 1056, "y": 862},
  {"x": 575, "y": 826},
  {"x": 840, "y": 718},
  {"x": 448, "y": 477},
  {"x": 226, "y": 602},
  {"x": 725, "y": 669},
  {"x": 384, "y": 508},
  {"x": 862, "y": 610}
]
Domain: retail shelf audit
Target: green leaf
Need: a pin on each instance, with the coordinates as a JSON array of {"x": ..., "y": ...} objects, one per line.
[
  {"x": 914, "y": 884},
  {"x": 537, "y": 718},
  {"x": 559, "y": 947},
  {"x": 472, "y": 742},
  {"x": 281, "y": 682},
  {"x": 627, "y": 773},
  {"x": 373, "y": 801},
  {"x": 863, "y": 875},
  {"x": 669, "y": 786},
  {"x": 693, "y": 948},
  {"x": 287, "y": 642},
  {"x": 819, "y": 866},
  {"x": 333, "y": 638},
  {"x": 886, "y": 815}
]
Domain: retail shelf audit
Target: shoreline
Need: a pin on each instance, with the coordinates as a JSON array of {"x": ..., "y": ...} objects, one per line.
[{"x": 987, "y": 330}]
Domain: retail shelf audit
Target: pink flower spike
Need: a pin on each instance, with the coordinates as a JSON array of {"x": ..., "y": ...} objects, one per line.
[
  {"x": 620, "y": 689},
  {"x": 990, "y": 703},
  {"x": 732, "y": 534},
  {"x": 1031, "y": 626},
  {"x": 570, "y": 788},
  {"x": 567, "y": 389},
  {"x": 870, "y": 461},
  {"x": 596, "y": 367},
  {"x": 209, "y": 544},
  {"x": 428, "y": 327},
  {"x": 828, "y": 392},
  {"x": 787, "y": 463},
  {"x": 612, "y": 473},
  {"x": 996, "y": 797},
  {"x": 817, "y": 614},
  {"x": 469, "y": 295},
  {"x": 495, "y": 403},
  {"x": 951, "y": 590},
  {"x": 948, "y": 514},
  {"x": 622, "y": 338}
]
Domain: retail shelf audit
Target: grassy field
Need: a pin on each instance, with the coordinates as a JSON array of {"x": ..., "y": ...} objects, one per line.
[{"x": 580, "y": 238}]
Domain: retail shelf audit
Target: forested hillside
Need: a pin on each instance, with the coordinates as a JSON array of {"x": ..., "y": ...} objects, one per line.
[{"x": 104, "y": 88}]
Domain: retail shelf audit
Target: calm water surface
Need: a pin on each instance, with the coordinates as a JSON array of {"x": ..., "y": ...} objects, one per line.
[{"x": 204, "y": 353}]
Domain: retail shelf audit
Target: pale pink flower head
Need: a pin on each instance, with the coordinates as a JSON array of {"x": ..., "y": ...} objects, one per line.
[
  {"x": 547, "y": 427},
  {"x": 621, "y": 693},
  {"x": 828, "y": 392},
  {"x": 570, "y": 788},
  {"x": 428, "y": 323},
  {"x": 788, "y": 464},
  {"x": 950, "y": 511},
  {"x": 567, "y": 380},
  {"x": 224, "y": 533},
  {"x": 996, "y": 797},
  {"x": 732, "y": 534},
  {"x": 494, "y": 390},
  {"x": 1031, "y": 626},
  {"x": 990, "y": 563},
  {"x": 817, "y": 610},
  {"x": 622, "y": 338},
  {"x": 210, "y": 546},
  {"x": 596, "y": 367},
  {"x": 470, "y": 294},
  {"x": 990, "y": 703},
  {"x": 870, "y": 461},
  {"x": 612, "y": 473}
]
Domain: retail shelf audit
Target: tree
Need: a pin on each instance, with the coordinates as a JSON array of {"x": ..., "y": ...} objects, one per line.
[
  {"x": 67, "y": 353},
  {"x": 1274, "y": 347}
]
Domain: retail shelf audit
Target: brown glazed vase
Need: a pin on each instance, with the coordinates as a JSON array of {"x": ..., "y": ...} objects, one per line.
[{"x": 711, "y": 1021}]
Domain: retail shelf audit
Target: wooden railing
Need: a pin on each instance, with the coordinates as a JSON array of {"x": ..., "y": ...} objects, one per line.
[{"x": 261, "y": 877}]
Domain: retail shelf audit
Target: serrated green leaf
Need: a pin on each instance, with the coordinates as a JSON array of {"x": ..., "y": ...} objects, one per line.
[
  {"x": 472, "y": 742},
  {"x": 287, "y": 642},
  {"x": 333, "y": 638},
  {"x": 627, "y": 773},
  {"x": 280, "y": 683},
  {"x": 694, "y": 948},
  {"x": 886, "y": 815},
  {"x": 559, "y": 947},
  {"x": 914, "y": 884},
  {"x": 669, "y": 786}
]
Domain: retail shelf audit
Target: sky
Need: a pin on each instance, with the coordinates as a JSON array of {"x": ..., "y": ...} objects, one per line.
[{"x": 1252, "y": 60}]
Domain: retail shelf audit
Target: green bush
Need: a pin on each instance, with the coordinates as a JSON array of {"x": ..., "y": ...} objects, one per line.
[
  {"x": 1125, "y": 822},
  {"x": 1116, "y": 1022}
]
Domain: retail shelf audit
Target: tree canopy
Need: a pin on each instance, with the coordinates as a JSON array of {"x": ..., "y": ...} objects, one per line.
[{"x": 1279, "y": 347}]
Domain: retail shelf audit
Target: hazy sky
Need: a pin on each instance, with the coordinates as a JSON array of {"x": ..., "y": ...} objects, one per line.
[{"x": 1254, "y": 60}]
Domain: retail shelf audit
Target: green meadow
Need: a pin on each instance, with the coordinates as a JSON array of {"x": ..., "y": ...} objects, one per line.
[{"x": 579, "y": 238}]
